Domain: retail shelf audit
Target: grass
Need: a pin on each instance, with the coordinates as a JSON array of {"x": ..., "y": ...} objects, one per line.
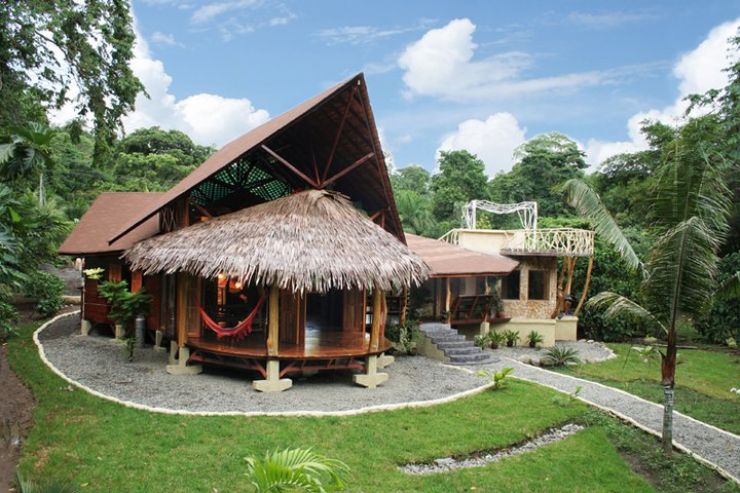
[
  {"x": 703, "y": 382},
  {"x": 101, "y": 446}
]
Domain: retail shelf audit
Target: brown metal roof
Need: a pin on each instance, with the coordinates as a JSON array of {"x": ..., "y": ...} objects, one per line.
[
  {"x": 307, "y": 137},
  {"x": 110, "y": 212},
  {"x": 448, "y": 260}
]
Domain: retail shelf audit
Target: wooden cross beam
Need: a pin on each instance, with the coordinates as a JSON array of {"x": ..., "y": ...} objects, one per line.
[
  {"x": 292, "y": 168},
  {"x": 346, "y": 170}
]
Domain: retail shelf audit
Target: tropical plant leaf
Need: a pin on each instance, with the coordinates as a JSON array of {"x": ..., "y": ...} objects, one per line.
[
  {"x": 587, "y": 203},
  {"x": 683, "y": 270},
  {"x": 616, "y": 305},
  {"x": 730, "y": 288},
  {"x": 295, "y": 470}
]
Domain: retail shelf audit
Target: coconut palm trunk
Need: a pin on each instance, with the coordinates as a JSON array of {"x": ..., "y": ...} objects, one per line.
[{"x": 668, "y": 374}]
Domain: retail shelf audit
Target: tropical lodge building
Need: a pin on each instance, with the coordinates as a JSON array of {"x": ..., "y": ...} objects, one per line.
[{"x": 283, "y": 252}]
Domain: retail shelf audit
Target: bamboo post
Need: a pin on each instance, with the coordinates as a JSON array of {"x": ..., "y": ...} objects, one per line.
[
  {"x": 585, "y": 285},
  {"x": 273, "y": 327},
  {"x": 377, "y": 319},
  {"x": 404, "y": 306},
  {"x": 182, "y": 309},
  {"x": 571, "y": 268}
]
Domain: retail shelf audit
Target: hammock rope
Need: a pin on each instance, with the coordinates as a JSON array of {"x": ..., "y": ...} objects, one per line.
[{"x": 240, "y": 330}]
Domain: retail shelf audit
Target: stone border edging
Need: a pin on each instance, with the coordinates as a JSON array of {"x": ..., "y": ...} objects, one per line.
[
  {"x": 722, "y": 472},
  {"x": 182, "y": 412}
]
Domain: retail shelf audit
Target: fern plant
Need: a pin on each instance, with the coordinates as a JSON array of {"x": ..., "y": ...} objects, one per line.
[
  {"x": 511, "y": 337},
  {"x": 295, "y": 470},
  {"x": 561, "y": 356}
]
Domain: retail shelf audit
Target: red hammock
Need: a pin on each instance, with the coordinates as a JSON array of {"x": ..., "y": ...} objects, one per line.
[{"x": 239, "y": 331}]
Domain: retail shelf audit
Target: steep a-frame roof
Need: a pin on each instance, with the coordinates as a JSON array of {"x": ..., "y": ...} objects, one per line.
[{"x": 329, "y": 141}]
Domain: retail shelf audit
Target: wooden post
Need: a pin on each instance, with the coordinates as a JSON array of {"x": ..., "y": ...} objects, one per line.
[
  {"x": 182, "y": 309},
  {"x": 585, "y": 285},
  {"x": 137, "y": 281},
  {"x": 448, "y": 299},
  {"x": 571, "y": 268},
  {"x": 377, "y": 319},
  {"x": 273, "y": 321}
]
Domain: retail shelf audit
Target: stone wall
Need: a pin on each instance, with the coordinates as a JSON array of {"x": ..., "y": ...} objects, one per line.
[{"x": 534, "y": 309}]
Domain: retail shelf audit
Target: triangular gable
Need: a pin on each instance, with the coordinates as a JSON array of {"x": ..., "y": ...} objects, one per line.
[{"x": 328, "y": 141}]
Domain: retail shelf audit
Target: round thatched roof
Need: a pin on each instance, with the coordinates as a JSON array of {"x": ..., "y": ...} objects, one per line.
[{"x": 309, "y": 241}]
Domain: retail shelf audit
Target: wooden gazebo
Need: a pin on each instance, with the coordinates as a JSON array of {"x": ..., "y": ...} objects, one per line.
[{"x": 266, "y": 256}]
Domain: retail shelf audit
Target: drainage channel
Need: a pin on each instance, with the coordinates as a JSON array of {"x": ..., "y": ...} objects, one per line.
[{"x": 446, "y": 464}]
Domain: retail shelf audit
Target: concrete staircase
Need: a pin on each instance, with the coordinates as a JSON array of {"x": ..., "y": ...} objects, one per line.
[{"x": 453, "y": 347}]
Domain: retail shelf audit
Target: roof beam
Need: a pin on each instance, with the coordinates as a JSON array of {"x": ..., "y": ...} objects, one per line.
[
  {"x": 349, "y": 168},
  {"x": 329, "y": 161},
  {"x": 288, "y": 165}
]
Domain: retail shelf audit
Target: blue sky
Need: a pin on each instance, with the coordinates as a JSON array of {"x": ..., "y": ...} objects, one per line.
[{"x": 480, "y": 75}]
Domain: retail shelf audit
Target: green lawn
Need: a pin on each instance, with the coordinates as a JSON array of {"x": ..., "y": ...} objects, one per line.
[
  {"x": 703, "y": 382},
  {"x": 101, "y": 446}
]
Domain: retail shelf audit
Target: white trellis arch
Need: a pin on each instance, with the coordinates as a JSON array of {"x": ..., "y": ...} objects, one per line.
[{"x": 527, "y": 212}]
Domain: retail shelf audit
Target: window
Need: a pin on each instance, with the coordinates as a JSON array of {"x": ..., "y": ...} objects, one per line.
[
  {"x": 510, "y": 288},
  {"x": 538, "y": 285}
]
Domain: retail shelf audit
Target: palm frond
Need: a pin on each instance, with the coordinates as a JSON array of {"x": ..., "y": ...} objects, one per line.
[
  {"x": 730, "y": 288},
  {"x": 616, "y": 305},
  {"x": 682, "y": 270},
  {"x": 296, "y": 470},
  {"x": 588, "y": 204},
  {"x": 6, "y": 152}
]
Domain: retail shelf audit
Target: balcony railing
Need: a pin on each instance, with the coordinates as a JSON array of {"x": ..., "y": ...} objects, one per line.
[{"x": 549, "y": 241}]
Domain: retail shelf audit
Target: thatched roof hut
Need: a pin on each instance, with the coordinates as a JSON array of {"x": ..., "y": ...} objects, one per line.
[{"x": 314, "y": 240}]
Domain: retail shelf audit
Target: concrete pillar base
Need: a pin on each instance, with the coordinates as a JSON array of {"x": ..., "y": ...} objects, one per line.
[
  {"x": 385, "y": 360},
  {"x": 85, "y": 327},
  {"x": 485, "y": 328},
  {"x": 273, "y": 382},
  {"x": 181, "y": 367},
  {"x": 172, "y": 357},
  {"x": 158, "y": 336},
  {"x": 120, "y": 331},
  {"x": 371, "y": 378}
]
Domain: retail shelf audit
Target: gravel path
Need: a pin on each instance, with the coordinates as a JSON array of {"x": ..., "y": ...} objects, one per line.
[
  {"x": 99, "y": 364},
  {"x": 705, "y": 441},
  {"x": 588, "y": 352}
]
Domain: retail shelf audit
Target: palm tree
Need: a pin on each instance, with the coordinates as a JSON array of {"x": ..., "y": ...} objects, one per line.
[
  {"x": 295, "y": 470},
  {"x": 691, "y": 203},
  {"x": 28, "y": 152}
]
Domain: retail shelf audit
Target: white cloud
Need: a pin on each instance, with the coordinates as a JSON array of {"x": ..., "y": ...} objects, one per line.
[
  {"x": 359, "y": 35},
  {"x": 605, "y": 20},
  {"x": 206, "y": 118},
  {"x": 493, "y": 140},
  {"x": 441, "y": 64},
  {"x": 161, "y": 38},
  {"x": 209, "y": 11},
  {"x": 697, "y": 71}
]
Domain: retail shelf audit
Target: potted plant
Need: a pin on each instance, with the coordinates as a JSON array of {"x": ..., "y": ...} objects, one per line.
[
  {"x": 496, "y": 339},
  {"x": 511, "y": 337},
  {"x": 497, "y": 305},
  {"x": 124, "y": 305},
  {"x": 482, "y": 341},
  {"x": 534, "y": 338}
]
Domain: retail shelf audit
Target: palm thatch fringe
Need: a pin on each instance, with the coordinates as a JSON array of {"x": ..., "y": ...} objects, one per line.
[{"x": 314, "y": 240}]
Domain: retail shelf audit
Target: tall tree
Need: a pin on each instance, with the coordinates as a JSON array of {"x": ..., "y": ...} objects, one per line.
[
  {"x": 461, "y": 178},
  {"x": 692, "y": 204},
  {"x": 413, "y": 178},
  {"x": 543, "y": 162},
  {"x": 28, "y": 153},
  {"x": 47, "y": 48}
]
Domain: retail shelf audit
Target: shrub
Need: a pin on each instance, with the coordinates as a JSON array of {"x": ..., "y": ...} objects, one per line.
[
  {"x": 403, "y": 337},
  {"x": 511, "y": 337},
  {"x": 46, "y": 289},
  {"x": 499, "y": 378},
  {"x": 482, "y": 341},
  {"x": 722, "y": 321},
  {"x": 561, "y": 356},
  {"x": 496, "y": 339},
  {"x": 124, "y": 305},
  {"x": 8, "y": 317},
  {"x": 534, "y": 338}
]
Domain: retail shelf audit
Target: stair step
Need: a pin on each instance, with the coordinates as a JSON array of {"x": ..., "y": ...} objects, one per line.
[
  {"x": 463, "y": 351},
  {"x": 448, "y": 338},
  {"x": 454, "y": 344},
  {"x": 472, "y": 359}
]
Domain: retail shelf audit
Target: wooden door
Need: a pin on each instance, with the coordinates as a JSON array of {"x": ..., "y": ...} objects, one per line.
[{"x": 353, "y": 311}]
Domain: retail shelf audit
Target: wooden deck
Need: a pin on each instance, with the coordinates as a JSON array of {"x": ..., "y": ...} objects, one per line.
[{"x": 319, "y": 345}]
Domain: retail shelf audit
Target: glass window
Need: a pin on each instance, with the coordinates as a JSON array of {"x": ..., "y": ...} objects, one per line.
[
  {"x": 510, "y": 288},
  {"x": 538, "y": 285}
]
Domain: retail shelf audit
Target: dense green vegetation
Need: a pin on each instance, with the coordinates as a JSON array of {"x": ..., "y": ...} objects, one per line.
[
  {"x": 704, "y": 379},
  {"x": 101, "y": 446}
]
